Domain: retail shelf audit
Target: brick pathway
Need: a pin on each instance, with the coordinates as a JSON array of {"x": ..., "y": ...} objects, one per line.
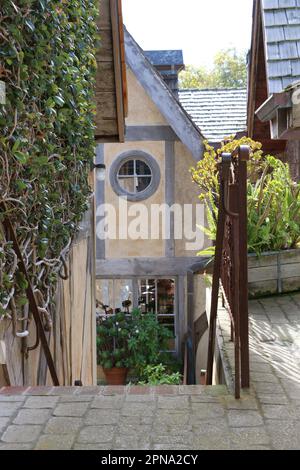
[{"x": 183, "y": 418}]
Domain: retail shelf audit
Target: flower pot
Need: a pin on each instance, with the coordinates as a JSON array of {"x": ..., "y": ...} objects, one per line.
[{"x": 116, "y": 376}]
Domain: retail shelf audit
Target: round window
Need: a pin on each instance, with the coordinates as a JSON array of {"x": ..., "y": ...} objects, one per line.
[{"x": 135, "y": 175}]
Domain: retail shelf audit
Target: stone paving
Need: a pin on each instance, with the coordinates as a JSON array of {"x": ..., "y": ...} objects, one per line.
[{"x": 174, "y": 418}]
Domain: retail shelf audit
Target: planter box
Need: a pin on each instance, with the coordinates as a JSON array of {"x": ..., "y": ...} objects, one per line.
[{"x": 274, "y": 273}]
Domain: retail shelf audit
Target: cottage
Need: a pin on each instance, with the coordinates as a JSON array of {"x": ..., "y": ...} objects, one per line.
[
  {"x": 274, "y": 79},
  {"x": 147, "y": 176}
]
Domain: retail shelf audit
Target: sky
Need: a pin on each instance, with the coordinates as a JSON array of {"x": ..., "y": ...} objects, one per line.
[{"x": 199, "y": 27}]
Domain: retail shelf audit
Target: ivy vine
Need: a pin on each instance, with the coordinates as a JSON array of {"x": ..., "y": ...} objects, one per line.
[{"x": 47, "y": 61}]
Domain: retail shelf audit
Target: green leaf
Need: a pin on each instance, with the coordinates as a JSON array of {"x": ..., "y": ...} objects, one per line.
[
  {"x": 59, "y": 100},
  {"x": 21, "y": 157}
]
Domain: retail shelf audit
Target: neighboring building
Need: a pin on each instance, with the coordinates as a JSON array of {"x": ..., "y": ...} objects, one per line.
[
  {"x": 219, "y": 113},
  {"x": 151, "y": 168},
  {"x": 274, "y": 71}
]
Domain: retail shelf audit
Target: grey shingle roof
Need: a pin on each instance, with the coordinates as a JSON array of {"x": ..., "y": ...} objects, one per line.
[
  {"x": 160, "y": 58},
  {"x": 282, "y": 27},
  {"x": 218, "y": 113}
]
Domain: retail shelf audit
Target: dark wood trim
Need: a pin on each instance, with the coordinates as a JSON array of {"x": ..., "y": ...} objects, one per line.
[{"x": 116, "y": 27}]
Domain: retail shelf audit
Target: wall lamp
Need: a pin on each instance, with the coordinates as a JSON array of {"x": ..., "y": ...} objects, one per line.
[{"x": 100, "y": 171}]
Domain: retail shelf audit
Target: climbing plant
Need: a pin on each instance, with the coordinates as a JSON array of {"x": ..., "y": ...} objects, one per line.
[{"x": 47, "y": 61}]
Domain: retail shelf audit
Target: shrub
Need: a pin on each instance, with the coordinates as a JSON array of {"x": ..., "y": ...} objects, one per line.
[
  {"x": 134, "y": 341},
  {"x": 159, "y": 375},
  {"x": 273, "y": 199}
]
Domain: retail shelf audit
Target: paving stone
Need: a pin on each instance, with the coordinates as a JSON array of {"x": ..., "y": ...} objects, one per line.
[
  {"x": 264, "y": 377},
  {"x": 244, "y": 436},
  {"x": 165, "y": 390},
  {"x": 191, "y": 390},
  {"x": 138, "y": 409},
  {"x": 3, "y": 423},
  {"x": 165, "y": 439},
  {"x": 284, "y": 436},
  {"x": 12, "y": 446},
  {"x": 273, "y": 399},
  {"x": 21, "y": 434},
  {"x": 245, "y": 403},
  {"x": 244, "y": 418},
  {"x": 171, "y": 418},
  {"x": 220, "y": 442},
  {"x": 9, "y": 408},
  {"x": 40, "y": 402},
  {"x": 132, "y": 443},
  {"x": 279, "y": 412},
  {"x": 113, "y": 402},
  {"x": 55, "y": 442},
  {"x": 140, "y": 398},
  {"x": 38, "y": 391},
  {"x": 77, "y": 399},
  {"x": 94, "y": 391},
  {"x": 96, "y": 434},
  {"x": 11, "y": 398},
  {"x": 63, "y": 425},
  {"x": 210, "y": 428},
  {"x": 108, "y": 446},
  {"x": 29, "y": 416},
  {"x": 173, "y": 403},
  {"x": 71, "y": 409},
  {"x": 268, "y": 388},
  {"x": 139, "y": 390},
  {"x": 100, "y": 417},
  {"x": 171, "y": 447},
  {"x": 204, "y": 399},
  {"x": 206, "y": 411},
  {"x": 59, "y": 391},
  {"x": 133, "y": 430},
  {"x": 260, "y": 367}
]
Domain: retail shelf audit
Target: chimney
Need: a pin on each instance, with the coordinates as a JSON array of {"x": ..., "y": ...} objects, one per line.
[{"x": 168, "y": 64}]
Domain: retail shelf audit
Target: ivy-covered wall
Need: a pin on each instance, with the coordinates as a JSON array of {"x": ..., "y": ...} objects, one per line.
[{"x": 47, "y": 61}]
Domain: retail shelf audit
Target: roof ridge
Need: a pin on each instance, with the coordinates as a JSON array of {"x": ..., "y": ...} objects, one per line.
[{"x": 214, "y": 89}]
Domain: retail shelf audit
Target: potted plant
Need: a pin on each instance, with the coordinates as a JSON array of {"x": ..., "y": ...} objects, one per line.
[
  {"x": 129, "y": 341},
  {"x": 273, "y": 217},
  {"x": 113, "y": 332}
]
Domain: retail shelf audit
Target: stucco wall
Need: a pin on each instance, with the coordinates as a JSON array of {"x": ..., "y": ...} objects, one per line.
[
  {"x": 135, "y": 248},
  {"x": 141, "y": 109}
]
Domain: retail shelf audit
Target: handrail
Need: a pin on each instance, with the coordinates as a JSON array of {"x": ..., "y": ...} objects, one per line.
[{"x": 231, "y": 264}]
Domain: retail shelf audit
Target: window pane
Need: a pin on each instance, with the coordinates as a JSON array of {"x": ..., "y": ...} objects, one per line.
[
  {"x": 143, "y": 183},
  {"x": 105, "y": 296},
  {"x": 127, "y": 169},
  {"x": 128, "y": 184},
  {"x": 142, "y": 168},
  {"x": 123, "y": 294},
  {"x": 147, "y": 295},
  {"x": 166, "y": 296}
]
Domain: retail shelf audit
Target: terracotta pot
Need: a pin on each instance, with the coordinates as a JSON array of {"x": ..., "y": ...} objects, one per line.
[{"x": 116, "y": 376}]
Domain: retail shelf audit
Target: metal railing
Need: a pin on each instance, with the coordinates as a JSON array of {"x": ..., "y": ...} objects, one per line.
[{"x": 231, "y": 264}]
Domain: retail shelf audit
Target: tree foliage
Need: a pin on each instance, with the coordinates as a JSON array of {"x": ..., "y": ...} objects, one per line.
[
  {"x": 46, "y": 138},
  {"x": 229, "y": 71}
]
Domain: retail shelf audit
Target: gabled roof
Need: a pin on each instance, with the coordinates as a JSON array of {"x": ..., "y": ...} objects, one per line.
[
  {"x": 163, "y": 98},
  {"x": 218, "y": 112},
  {"x": 281, "y": 24}
]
